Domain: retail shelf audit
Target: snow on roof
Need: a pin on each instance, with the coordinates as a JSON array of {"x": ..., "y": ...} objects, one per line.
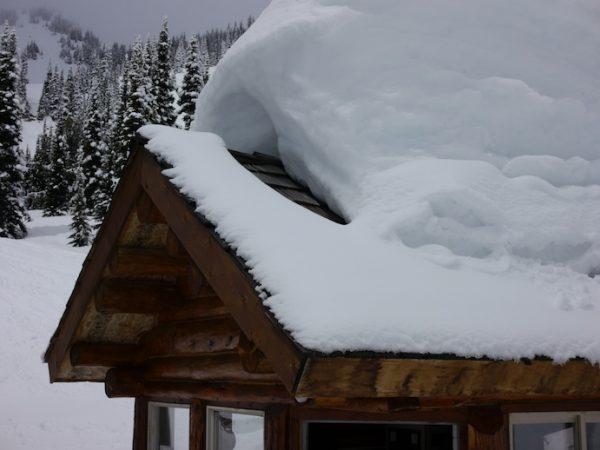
[{"x": 462, "y": 142}]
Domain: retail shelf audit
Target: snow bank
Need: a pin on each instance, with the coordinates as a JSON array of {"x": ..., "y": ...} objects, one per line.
[
  {"x": 462, "y": 141},
  {"x": 338, "y": 288},
  {"x": 472, "y": 126},
  {"x": 36, "y": 277}
]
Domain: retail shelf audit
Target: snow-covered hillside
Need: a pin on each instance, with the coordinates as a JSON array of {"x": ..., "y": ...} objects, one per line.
[
  {"x": 48, "y": 43},
  {"x": 460, "y": 134},
  {"x": 37, "y": 276}
]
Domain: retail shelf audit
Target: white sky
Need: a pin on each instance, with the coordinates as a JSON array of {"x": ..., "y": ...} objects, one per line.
[{"x": 123, "y": 20}]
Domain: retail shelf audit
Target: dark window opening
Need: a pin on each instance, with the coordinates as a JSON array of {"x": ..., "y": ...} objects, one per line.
[{"x": 378, "y": 436}]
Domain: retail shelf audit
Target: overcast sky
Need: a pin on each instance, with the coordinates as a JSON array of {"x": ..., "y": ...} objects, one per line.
[{"x": 123, "y": 20}]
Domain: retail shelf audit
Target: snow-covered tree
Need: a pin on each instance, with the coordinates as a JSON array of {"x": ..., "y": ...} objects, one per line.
[
  {"x": 192, "y": 84},
  {"x": 44, "y": 104},
  {"x": 56, "y": 201},
  {"x": 162, "y": 80},
  {"x": 12, "y": 208},
  {"x": 94, "y": 142},
  {"x": 38, "y": 171},
  {"x": 81, "y": 230},
  {"x": 22, "y": 90}
]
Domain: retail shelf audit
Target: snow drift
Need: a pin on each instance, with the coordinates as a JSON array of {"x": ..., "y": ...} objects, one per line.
[{"x": 464, "y": 134}]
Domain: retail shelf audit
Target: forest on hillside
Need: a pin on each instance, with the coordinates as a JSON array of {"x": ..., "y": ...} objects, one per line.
[{"x": 90, "y": 114}]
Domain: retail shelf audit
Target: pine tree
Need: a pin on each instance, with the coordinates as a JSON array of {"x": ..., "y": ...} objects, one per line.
[
  {"x": 81, "y": 230},
  {"x": 56, "y": 201},
  {"x": 162, "y": 81},
  {"x": 39, "y": 170},
  {"x": 44, "y": 105},
  {"x": 22, "y": 91},
  {"x": 94, "y": 142},
  {"x": 192, "y": 84},
  {"x": 205, "y": 60},
  {"x": 12, "y": 209}
]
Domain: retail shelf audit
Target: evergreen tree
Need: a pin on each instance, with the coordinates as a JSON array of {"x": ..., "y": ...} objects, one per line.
[
  {"x": 56, "y": 201},
  {"x": 94, "y": 142},
  {"x": 192, "y": 84},
  {"x": 162, "y": 80},
  {"x": 44, "y": 105},
  {"x": 39, "y": 169},
  {"x": 81, "y": 231},
  {"x": 140, "y": 99},
  {"x": 12, "y": 209},
  {"x": 22, "y": 91}
]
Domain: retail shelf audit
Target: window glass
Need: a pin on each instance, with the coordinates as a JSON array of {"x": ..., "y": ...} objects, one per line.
[
  {"x": 237, "y": 430},
  {"x": 544, "y": 436},
  {"x": 592, "y": 431},
  {"x": 168, "y": 427}
]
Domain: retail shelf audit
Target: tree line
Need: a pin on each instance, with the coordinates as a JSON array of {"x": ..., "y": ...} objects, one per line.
[{"x": 90, "y": 115}]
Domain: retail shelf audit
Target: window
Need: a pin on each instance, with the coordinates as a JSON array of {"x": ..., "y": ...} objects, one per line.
[
  {"x": 555, "y": 431},
  {"x": 168, "y": 427},
  {"x": 329, "y": 435},
  {"x": 234, "y": 429}
]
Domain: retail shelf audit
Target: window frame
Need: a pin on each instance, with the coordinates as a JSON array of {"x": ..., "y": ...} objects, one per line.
[
  {"x": 152, "y": 424},
  {"x": 211, "y": 423},
  {"x": 579, "y": 419}
]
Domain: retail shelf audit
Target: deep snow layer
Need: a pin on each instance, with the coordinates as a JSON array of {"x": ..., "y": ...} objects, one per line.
[
  {"x": 340, "y": 287},
  {"x": 467, "y": 130},
  {"x": 37, "y": 275}
]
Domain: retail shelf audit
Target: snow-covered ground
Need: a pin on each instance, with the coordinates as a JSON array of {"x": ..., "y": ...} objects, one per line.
[{"x": 37, "y": 276}]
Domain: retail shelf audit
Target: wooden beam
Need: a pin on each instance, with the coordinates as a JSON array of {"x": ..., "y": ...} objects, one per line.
[
  {"x": 491, "y": 380},
  {"x": 153, "y": 297},
  {"x": 486, "y": 419},
  {"x": 276, "y": 428},
  {"x": 136, "y": 296},
  {"x": 221, "y": 367},
  {"x": 140, "y": 424},
  {"x": 224, "y": 273},
  {"x": 136, "y": 262},
  {"x": 127, "y": 192},
  {"x": 252, "y": 358},
  {"x": 191, "y": 338},
  {"x": 195, "y": 285},
  {"x": 197, "y": 425},
  {"x": 121, "y": 382},
  {"x": 485, "y": 441},
  {"x": 105, "y": 355},
  {"x": 147, "y": 212}
]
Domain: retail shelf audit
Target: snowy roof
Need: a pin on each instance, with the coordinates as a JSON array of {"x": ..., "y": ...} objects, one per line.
[{"x": 461, "y": 143}]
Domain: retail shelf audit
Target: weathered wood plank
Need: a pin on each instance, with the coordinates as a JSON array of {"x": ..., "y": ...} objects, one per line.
[
  {"x": 253, "y": 360},
  {"x": 147, "y": 212},
  {"x": 136, "y": 262},
  {"x": 198, "y": 425},
  {"x": 124, "y": 382},
  {"x": 221, "y": 367},
  {"x": 136, "y": 296},
  {"x": 222, "y": 270},
  {"x": 276, "y": 428},
  {"x": 191, "y": 338},
  {"x": 484, "y": 441},
  {"x": 140, "y": 424},
  {"x": 502, "y": 380},
  {"x": 105, "y": 355}
]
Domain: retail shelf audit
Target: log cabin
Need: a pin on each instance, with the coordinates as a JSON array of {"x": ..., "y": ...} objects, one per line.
[{"x": 166, "y": 312}]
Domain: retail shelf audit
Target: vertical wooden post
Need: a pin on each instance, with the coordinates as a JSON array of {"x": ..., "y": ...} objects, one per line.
[
  {"x": 276, "y": 428},
  {"x": 140, "y": 424},
  {"x": 485, "y": 441},
  {"x": 198, "y": 425}
]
